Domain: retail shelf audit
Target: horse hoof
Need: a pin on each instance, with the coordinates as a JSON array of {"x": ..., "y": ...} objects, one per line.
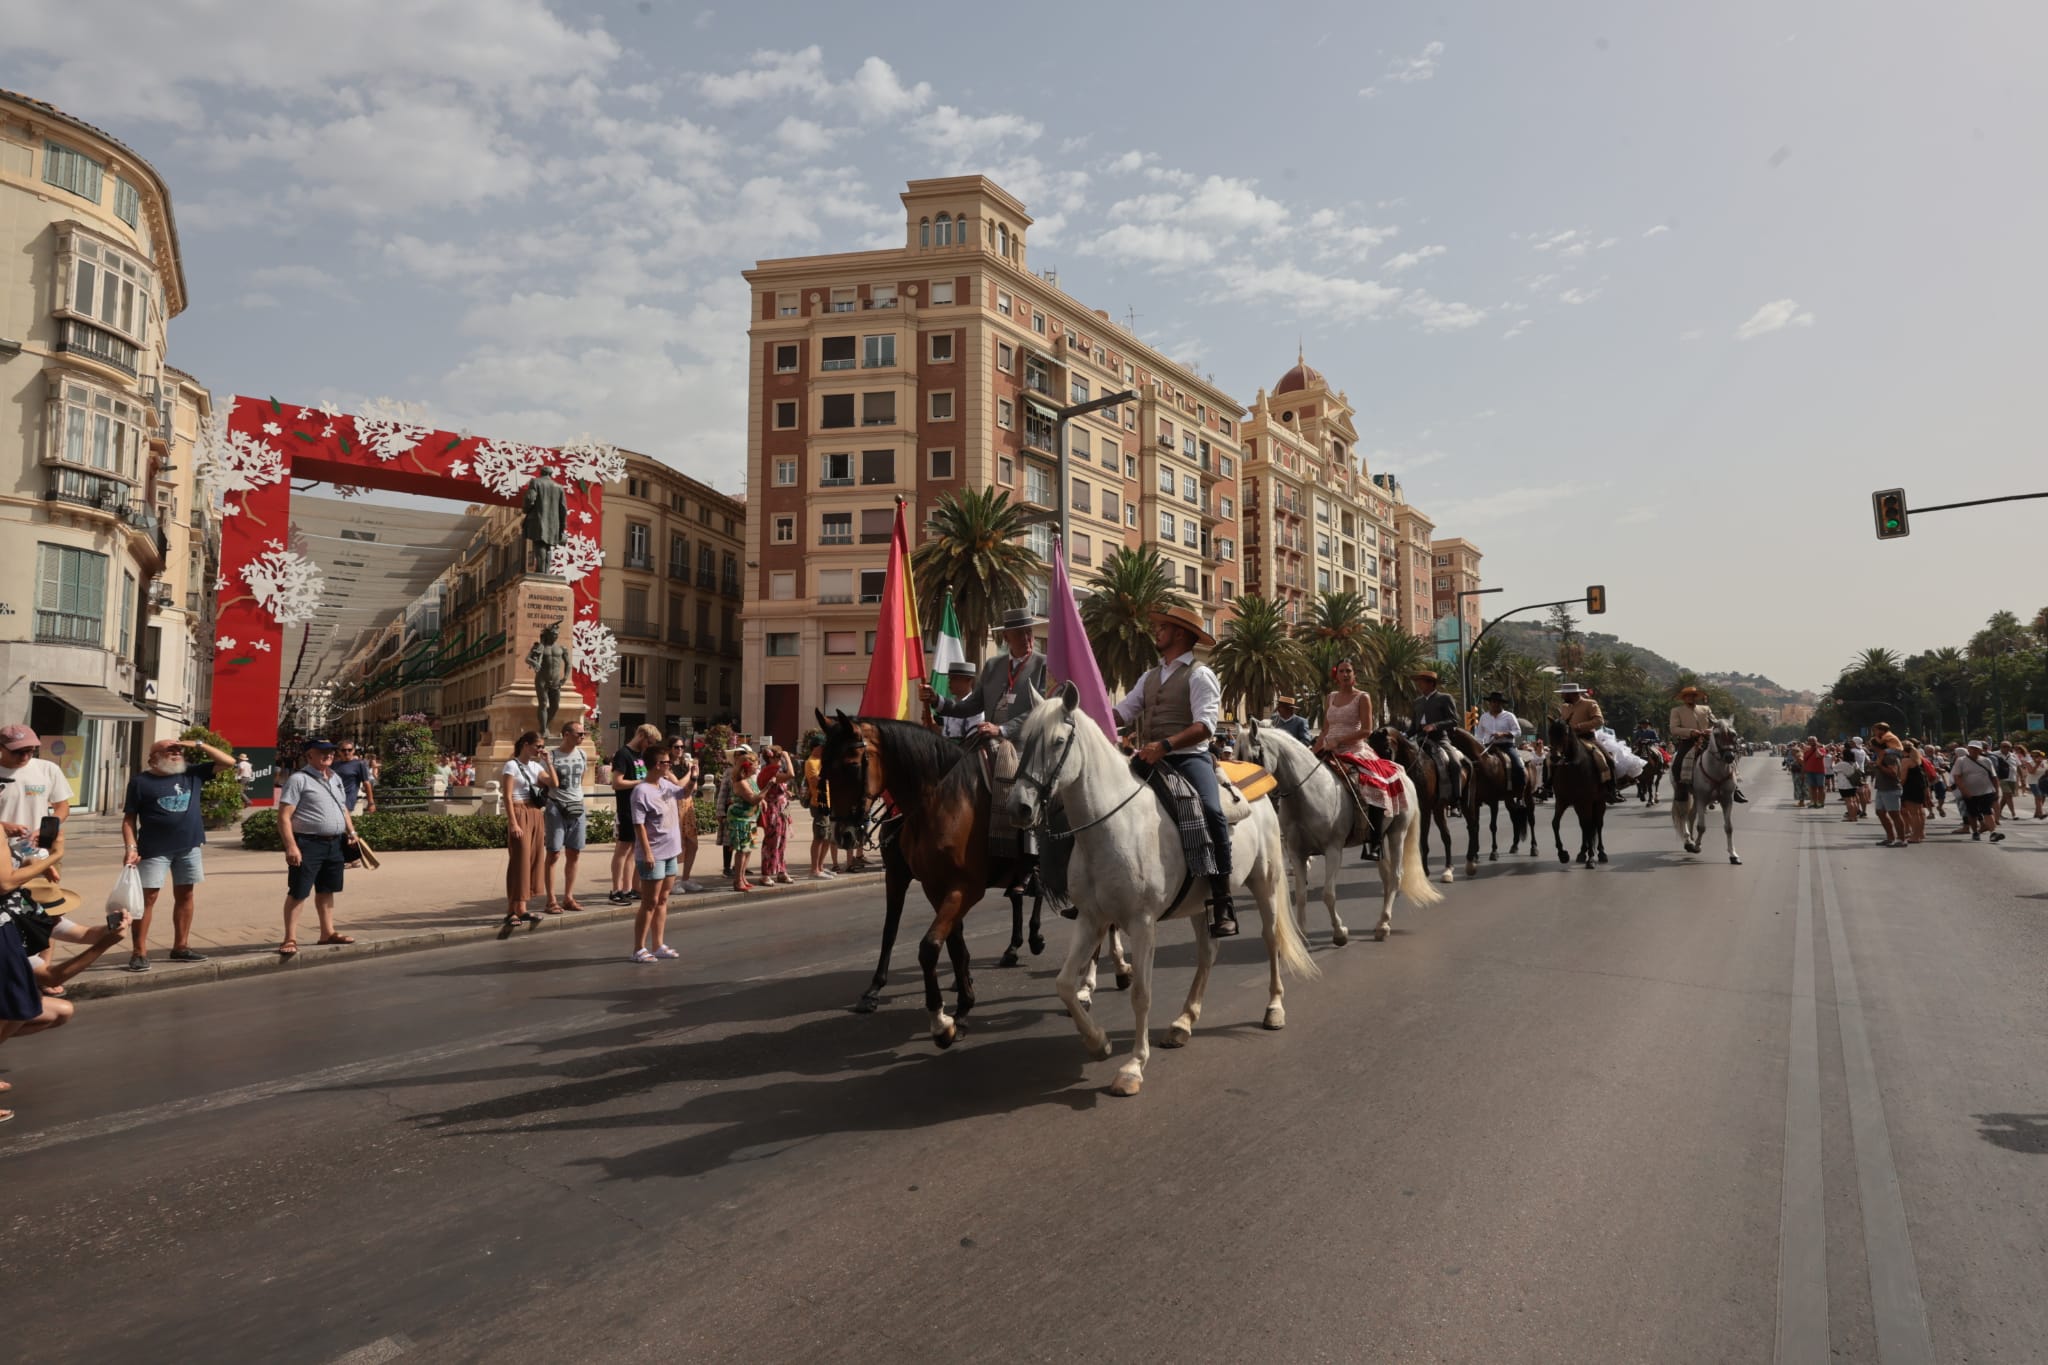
[
  {"x": 948, "y": 1038},
  {"x": 1126, "y": 1085},
  {"x": 1037, "y": 945},
  {"x": 869, "y": 1003},
  {"x": 1446, "y": 878},
  {"x": 1603, "y": 856},
  {"x": 1563, "y": 856},
  {"x": 1123, "y": 981},
  {"x": 1339, "y": 937},
  {"x": 1276, "y": 1019},
  {"x": 1176, "y": 1037},
  {"x": 1008, "y": 959},
  {"x": 1084, "y": 997},
  {"x": 1471, "y": 868},
  {"x": 1099, "y": 1053},
  {"x": 1735, "y": 859},
  {"x": 1380, "y": 934},
  {"x": 1492, "y": 858}
]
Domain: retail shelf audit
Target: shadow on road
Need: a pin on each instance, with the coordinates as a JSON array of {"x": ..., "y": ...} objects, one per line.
[{"x": 2026, "y": 1133}]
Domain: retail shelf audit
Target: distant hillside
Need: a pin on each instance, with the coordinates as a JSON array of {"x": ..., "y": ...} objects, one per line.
[{"x": 1535, "y": 640}]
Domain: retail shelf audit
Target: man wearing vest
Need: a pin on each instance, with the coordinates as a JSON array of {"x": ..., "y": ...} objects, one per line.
[
  {"x": 1691, "y": 721},
  {"x": 1174, "y": 710},
  {"x": 960, "y": 683}
]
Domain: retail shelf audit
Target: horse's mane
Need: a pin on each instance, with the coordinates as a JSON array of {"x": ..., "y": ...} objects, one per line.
[
  {"x": 1466, "y": 743},
  {"x": 912, "y": 750}
]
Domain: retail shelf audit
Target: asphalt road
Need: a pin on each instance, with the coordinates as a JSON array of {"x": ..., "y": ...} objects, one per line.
[{"x": 1669, "y": 1110}]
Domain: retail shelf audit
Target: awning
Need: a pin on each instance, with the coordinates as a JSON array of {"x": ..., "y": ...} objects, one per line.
[
  {"x": 1042, "y": 408},
  {"x": 94, "y": 703}
]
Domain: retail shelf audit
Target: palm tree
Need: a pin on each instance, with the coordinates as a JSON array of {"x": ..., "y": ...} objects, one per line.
[
  {"x": 1258, "y": 656},
  {"x": 1387, "y": 669},
  {"x": 979, "y": 553},
  {"x": 1334, "y": 630},
  {"x": 1528, "y": 686},
  {"x": 1875, "y": 661},
  {"x": 1126, "y": 592}
]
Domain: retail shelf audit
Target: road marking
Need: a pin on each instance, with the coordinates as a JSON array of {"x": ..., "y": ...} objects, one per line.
[
  {"x": 1899, "y": 1313},
  {"x": 1802, "y": 1212},
  {"x": 376, "y": 1353}
]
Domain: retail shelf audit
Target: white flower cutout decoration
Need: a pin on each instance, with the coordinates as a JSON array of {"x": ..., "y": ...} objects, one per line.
[
  {"x": 576, "y": 556},
  {"x": 225, "y": 642},
  {"x": 233, "y": 461},
  {"x": 285, "y": 583},
  {"x": 391, "y": 429},
  {"x": 593, "y": 461},
  {"x": 506, "y": 467},
  {"x": 596, "y": 650}
]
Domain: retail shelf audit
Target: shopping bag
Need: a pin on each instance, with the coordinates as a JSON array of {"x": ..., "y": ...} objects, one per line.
[{"x": 126, "y": 895}]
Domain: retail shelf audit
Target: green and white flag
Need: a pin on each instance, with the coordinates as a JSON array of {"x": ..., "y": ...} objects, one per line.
[{"x": 951, "y": 650}]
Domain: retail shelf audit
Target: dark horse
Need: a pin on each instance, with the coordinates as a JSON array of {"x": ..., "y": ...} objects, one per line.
[
  {"x": 1489, "y": 786},
  {"x": 1576, "y": 781},
  {"x": 1431, "y": 801},
  {"x": 938, "y": 837},
  {"x": 1652, "y": 774}
]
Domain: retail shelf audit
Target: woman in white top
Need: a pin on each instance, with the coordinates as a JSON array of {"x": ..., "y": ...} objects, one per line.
[
  {"x": 526, "y": 779},
  {"x": 1848, "y": 777},
  {"x": 1347, "y": 715}
]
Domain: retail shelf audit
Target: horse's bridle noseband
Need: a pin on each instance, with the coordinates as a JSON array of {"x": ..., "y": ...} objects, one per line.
[{"x": 1044, "y": 787}]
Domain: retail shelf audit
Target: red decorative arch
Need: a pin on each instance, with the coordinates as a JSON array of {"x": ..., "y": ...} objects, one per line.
[{"x": 255, "y": 447}]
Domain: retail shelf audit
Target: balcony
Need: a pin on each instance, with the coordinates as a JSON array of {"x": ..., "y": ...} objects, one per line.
[
  {"x": 82, "y": 338},
  {"x": 1166, "y": 443},
  {"x": 729, "y": 647},
  {"x": 637, "y": 629},
  {"x": 679, "y": 637},
  {"x": 731, "y": 588},
  {"x": 707, "y": 578},
  {"x": 679, "y": 571},
  {"x": 639, "y": 561}
]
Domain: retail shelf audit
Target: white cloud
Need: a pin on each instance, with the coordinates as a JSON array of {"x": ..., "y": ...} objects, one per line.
[
  {"x": 1408, "y": 260},
  {"x": 770, "y": 75},
  {"x": 1333, "y": 238},
  {"x": 1217, "y": 201},
  {"x": 802, "y": 137},
  {"x": 1439, "y": 315},
  {"x": 1774, "y": 316},
  {"x": 1577, "y": 296},
  {"x": 1507, "y": 504},
  {"x": 1569, "y": 244},
  {"x": 1127, "y": 164},
  {"x": 875, "y": 92},
  {"x": 1309, "y": 293},
  {"x": 965, "y": 136},
  {"x": 1407, "y": 70},
  {"x": 1657, "y": 231},
  {"x": 1150, "y": 244},
  {"x": 1515, "y": 329}
]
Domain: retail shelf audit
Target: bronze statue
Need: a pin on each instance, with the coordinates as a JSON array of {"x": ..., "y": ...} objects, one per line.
[
  {"x": 549, "y": 660},
  {"x": 547, "y": 519}
]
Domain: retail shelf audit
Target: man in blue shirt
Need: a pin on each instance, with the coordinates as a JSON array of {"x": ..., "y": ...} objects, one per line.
[
  {"x": 163, "y": 826},
  {"x": 1285, "y": 718},
  {"x": 355, "y": 775}
]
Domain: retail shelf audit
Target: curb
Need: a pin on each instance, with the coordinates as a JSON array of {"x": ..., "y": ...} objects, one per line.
[{"x": 106, "y": 985}]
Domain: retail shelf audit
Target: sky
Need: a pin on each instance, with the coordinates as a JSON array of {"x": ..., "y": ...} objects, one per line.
[{"x": 1652, "y": 296}]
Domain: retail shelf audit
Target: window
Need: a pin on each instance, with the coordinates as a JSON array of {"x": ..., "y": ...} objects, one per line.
[
  {"x": 1080, "y": 444},
  {"x": 1002, "y": 303},
  {"x": 73, "y": 171},
  {"x": 1166, "y": 525},
  {"x": 872, "y": 581},
  {"x": 924, "y": 232},
  {"x": 837, "y": 353},
  {"x": 941, "y": 464},
  {"x": 785, "y": 473},
  {"x": 1038, "y": 323},
  {"x": 632, "y": 672},
  {"x": 835, "y": 586},
  {"x": 1109, "y": 505},
  {"x": 878, "y": 466},
  {"x": 1225, "y": 508},
  {"x": 1006, "y": 357},
  {"x": 127, "y": 203},
  {"x": 835, "y": 470},
  {"x": 785, "y": 530},
  {"x": 1002, "y": 240},
  {"x": 672, "y": 679},
  {"x": 1322, "y": 580},
  {"x": 785, "y": 415},
  {"x": 941, "y": 348},
  {"x": 127, "y": 611},
  {"x": 841, "y": 641},
  {"x": 1323, "y": 513},
  {"x": 878, "y": 409},
  {"x": 1084, "y": 548},
  {"x": 1227, "y": 589},
  {"x": 881, "y": 296},
  {"x": 1131, "y": 515},
  {"x": 943, "y": 236},
  {"x": 109, "y": 288},
  {"x": 1225, "y": 466},
  {"x": 1079, "y": 391},
  {"x": 781, "y": 588},
  {"x": 1006, "y": 413},
  {"x": 942, "y": 292},
  {"x": 1188, "y": 531},
  {"x": 786, "y": 360},
  {"x": 1226, "y": 548},
  {"x": 1037, "y": 375},
  {"x": 678, "y": 557},
  {"x": 101, "y": 432},
  {"x": 1188, "y": 578},
  {"x": 1166, "y": 484},
  {"x": 867, "y": 643},
  {"x": 942, "y": 405},
  {"x": 786, "y": 306},
  {"x": 639, "y": 554},
  {"x": 877, "y": 525},
  {"x": 1323, "y": 544},
  {"x": 636, "y": 610},
  {"x": 877, "y": 353},
  {"x": 637, "y": 488},
  {"x": 1039, "y": 538},
  {"x": 837, "y": 529},
  {"x": 1006, "y": 470},
  {"x": 1190, "y": 491},
  {"x": 1084, "y": 496},
  {"x": 699, "y": 673},
  {"x": 843, "y": 301},
  {"x": 1037, "y": 486},
  {"x": 836, "y": 411},
  {"x": 1130, "y": 466}
]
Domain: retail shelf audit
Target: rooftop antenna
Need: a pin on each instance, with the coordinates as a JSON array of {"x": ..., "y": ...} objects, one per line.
[{"x": 1131, "y": 316}]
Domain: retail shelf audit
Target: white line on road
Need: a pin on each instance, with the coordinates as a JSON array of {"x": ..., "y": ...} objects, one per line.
[
  {"x": 376, "y": 1353},
  {"x": 1899, "y": 1313},
  {"x": 1802, "y": 1211}
]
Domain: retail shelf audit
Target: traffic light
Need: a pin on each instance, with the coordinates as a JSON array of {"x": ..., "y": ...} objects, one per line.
[
  {"x": 1596, "y": 599},
  {"x": 1888, "y": 505}
]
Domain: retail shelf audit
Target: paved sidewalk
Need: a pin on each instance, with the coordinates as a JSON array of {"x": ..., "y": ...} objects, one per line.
[{"x": 414, "y": 901}]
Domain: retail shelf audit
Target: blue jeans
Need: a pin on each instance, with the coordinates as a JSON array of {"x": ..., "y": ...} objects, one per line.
[{"x": 1200, "y": 771}]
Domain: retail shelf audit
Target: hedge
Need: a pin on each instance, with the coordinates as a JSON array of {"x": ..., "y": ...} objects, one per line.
[{"x": 403, "y": 831}]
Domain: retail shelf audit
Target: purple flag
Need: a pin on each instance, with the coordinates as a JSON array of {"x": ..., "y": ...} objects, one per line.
[{"x": 1068, "y": 655}]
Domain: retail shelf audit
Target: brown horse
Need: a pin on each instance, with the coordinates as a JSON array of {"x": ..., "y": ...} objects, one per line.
[
  {"x": 1431, "y": 802},
  {"x": 938, "y": 837},
  {"x": 1652, "y": 775},
  {"x": 1578, "y": 780},
  {"x": 1489, "y": 785}
]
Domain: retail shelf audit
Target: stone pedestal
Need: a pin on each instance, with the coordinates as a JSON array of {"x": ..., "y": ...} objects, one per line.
[{"x": 540, "y": 600}]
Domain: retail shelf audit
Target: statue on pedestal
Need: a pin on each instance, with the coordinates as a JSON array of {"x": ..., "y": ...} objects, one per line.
[
  {"x": 547, "y": 519},
  {"x": 549, "y": 660}
]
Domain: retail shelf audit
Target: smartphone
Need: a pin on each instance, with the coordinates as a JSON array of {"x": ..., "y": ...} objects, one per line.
[{"x": 46, "y": 837}]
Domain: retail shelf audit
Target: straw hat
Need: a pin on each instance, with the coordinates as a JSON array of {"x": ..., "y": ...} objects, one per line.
[
  {"x": 1691, "y": 693},
  {"x": 1285, "y": 701},
  {"x": 1419, "y": 674},
  {"x": 1185, "y": 618}
]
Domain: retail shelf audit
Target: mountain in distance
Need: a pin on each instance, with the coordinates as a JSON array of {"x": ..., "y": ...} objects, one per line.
[{"x": 1751, "y": 689}]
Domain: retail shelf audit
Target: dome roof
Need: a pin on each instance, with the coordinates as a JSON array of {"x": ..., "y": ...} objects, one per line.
[{"x": 1298, "y": 378}]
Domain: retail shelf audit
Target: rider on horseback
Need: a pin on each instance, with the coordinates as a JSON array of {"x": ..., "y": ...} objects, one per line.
[
  {"x": 1010, "y": 684},
  {"x": 1430, "y": 722},
  {"x": 960, "y": 685},
  {"x": 1692, "y": 720},
  {"x": 1174, "y": 710},
  {"x": 1347, "y": 720},
  {"x": 1582, "y": 716},
  {"x": 1499, "y": 731}
]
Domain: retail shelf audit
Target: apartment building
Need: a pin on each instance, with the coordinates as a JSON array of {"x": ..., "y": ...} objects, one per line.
[
  {"x": 915, "y": 371},
  {"x": 671, "y": 594},
  {"x": 1454, "y": 569},
  {"x": 105, "y": 637}
]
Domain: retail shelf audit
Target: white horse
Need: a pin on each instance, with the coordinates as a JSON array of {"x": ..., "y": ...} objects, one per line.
[
  {"x": 1709, "y": 780},
  {"x": 1127, "y": 852},
  {"x": 1317, "y": 816}
]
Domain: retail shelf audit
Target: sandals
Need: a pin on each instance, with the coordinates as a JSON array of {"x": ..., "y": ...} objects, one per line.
[
  {"x": 570, "y": 904},
  {"x": 289, "y": 949},
  {"x": 552, "y": 908},
  {"x": 331, "y": 940}
]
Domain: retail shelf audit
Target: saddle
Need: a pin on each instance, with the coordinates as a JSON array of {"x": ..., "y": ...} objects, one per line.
[{"x": 999, "y": 760}]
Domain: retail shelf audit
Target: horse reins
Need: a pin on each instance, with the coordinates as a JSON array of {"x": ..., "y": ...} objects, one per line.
[{"x": 1045, "y": 790}]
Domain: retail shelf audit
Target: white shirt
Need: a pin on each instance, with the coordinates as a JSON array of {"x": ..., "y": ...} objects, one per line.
[
  {"x": 1205, "y": 697},
  {"x": 1502, "y": 726},
  {"x": 521, "y": 776},
  {"x": 33, "y": 788}
]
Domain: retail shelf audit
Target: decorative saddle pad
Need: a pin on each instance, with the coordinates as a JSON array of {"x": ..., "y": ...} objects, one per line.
[
  {"x": 1251, "y": 781},
  {"x": 1376, "y": 780}
]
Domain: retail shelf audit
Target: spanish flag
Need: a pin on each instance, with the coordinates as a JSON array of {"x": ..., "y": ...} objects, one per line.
[{"x": 898, "y": 664}]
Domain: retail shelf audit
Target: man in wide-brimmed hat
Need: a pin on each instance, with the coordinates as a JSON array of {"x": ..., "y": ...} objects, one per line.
[
  {"x": 1431, "y": 718},
  {"x": 1010, "y": 682},
  {"x": 1286, "y": 718},
  {"x": 1173, "y": 712},
  {"x": 1499, "y": 729},
  {"x": 1691, "y": 721}
]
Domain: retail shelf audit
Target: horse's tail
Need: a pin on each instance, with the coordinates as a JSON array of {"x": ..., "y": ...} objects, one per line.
[
  {"x": 1415, "y": 883},
  {"x": 1289, "y": 947}
]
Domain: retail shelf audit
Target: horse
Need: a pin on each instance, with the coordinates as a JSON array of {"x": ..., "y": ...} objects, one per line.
[
  {"x": 1652, "y": 774},
  {"x": 1487, "y": 783},
  {"x": 939, "y": 839},
  {"x": 1575, "y": 781},
  {"x": 1711, "y": 781},
  {"x": 1319, "y": 815},
  {"x": 1426, "y": 775},
  {"x": 1127, "y": 852}
]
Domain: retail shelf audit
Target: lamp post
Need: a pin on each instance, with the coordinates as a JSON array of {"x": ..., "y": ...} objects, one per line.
[
  {"x": 1061, "y": 417},
  {"x": 1464, "y": 654}
]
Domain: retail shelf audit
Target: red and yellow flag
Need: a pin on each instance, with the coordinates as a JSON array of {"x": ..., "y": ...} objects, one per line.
[{"x": 898, "y": 663}]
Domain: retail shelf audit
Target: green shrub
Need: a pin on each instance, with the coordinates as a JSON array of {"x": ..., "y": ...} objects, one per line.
[
  {"x": 221, "y": 799},
  {"x": 409, "y": 758},
  {"x": 411, "y": 831}
]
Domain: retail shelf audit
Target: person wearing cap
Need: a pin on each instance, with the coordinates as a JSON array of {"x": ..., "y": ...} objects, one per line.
[
  {"x": 314, "y": 821},
  {"x": 1286, "y": 718},
  {"x": 960, "y": 683},
  {"x": 1976, "y": 781},
  {"x": 1009, "y": 683},
  {"x": 33, "y": 786},
  {"x": 163, "y": 827},
  {"x": 1174, "y": 711},
  {"x": 1498, "y": 728},
  {"x": 1431, "y": 718}
]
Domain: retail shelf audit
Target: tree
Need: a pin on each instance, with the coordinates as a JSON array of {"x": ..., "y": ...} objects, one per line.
[
  {"x": 1258, "y": 656},
  {"x": 1334, "y": 630},
  {"x": 1528, "y": 685},
  {"x": 978, "y": 551},
  {"x": 1387, "y": 670},
  {"x": 408, "y": 757},
  {"x": 1130, "y": 588},
  {"x": 1565, "y": 626}
]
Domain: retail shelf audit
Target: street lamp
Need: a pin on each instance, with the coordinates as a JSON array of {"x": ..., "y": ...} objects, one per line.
[{"x": 1464, "y": 654}]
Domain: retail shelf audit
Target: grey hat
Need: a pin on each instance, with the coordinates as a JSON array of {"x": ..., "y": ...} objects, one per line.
[{"x": 1019, "y": 619}]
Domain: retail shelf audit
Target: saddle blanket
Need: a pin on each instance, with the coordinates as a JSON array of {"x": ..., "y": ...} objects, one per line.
[
  {"x": 1251, "y": 781},
  {"x": 1377, "y": 780}
]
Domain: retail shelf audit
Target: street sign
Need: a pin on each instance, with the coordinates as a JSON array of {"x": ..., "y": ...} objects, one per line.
[
  {"x": 1448, "y": 636},
  {"x": 1888, "y": 508},
  {"x": 2035, "y": 721},
  {"x": 1596, "y": 599}
]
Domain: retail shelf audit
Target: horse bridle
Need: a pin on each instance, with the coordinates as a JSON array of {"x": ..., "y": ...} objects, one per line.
[{"x": 1045, "y": 787}]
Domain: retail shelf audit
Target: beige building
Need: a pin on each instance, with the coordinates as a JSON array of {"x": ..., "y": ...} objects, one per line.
[
  {"x": 671, "y": 594},
  {"x": 1407, "y": 564},
  {"x": 934, "y": 367},
  {"x": 109, "y": 556},
  {"x": 1454, "y": 568}
]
